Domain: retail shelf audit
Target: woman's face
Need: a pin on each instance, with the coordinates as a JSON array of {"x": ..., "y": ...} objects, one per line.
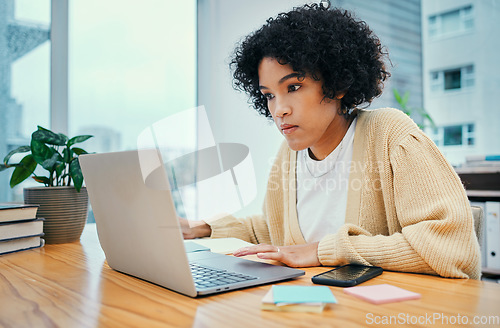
[{"x": 302, "y": 114}]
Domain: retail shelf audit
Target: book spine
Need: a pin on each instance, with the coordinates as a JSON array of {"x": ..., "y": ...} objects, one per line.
[{"x": 42, "y": 243}]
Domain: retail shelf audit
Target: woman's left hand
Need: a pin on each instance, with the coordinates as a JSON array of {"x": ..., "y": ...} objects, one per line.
[{"x": 298, "y": 256}]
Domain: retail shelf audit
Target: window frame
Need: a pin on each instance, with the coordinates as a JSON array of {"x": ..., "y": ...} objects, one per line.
[
  {"x": 466, "y": 22},
  {"x": 468, "y": 134},
  {"x": 438, "y": 79},
  {"x": 59, "y": 119}
]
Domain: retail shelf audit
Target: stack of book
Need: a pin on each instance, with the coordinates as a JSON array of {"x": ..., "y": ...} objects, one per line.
[{"x": 20, "y": 229}]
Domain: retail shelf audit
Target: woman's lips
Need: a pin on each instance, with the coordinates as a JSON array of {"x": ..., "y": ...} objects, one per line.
[{"x": 288, "y": 128}]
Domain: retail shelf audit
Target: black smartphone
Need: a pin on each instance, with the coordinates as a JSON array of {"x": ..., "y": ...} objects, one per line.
[{"x": 347, "y": 275}]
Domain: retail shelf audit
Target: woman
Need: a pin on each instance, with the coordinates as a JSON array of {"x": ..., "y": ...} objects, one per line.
[{"x": 349, "y": 185}]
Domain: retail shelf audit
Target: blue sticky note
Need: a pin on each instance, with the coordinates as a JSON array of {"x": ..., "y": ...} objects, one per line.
[{"x": 303, "y": 294}]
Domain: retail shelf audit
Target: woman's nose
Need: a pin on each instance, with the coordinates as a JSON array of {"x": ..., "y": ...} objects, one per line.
[{"x": 282, "y": 109}]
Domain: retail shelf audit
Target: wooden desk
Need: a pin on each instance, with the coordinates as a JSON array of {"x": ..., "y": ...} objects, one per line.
[{"x": 70, "y": 285}]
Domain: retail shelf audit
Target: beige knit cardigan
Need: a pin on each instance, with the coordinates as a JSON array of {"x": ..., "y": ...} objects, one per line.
[{"x": 406, "y": 207}]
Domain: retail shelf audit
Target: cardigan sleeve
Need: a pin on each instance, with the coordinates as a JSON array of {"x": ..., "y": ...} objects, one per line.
[
  {"x": 267, "y": 228},
  {"x": 252, "y": 229},
  {"x": 436, "y": 235}
]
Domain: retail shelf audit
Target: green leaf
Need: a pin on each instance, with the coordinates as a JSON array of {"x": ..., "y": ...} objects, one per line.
[
  {"x": 404, "y": 101},
  {"x": 60, "y": 166},
  {"x": 429, "y": 118},
  {"x": 44, "y": 180},
  {"x": 79, "y": 151},
  {"x": 39, "y": 127},
  {"x": 40, "y": 151},
  {"x": 24, "y": 170},
  {"x": 426, "y": 116},
  {"x": 78, "y": 139},
  {"x": 65, "y": 137},
  {"x": 49, "y": 137},
  {"x": 67, "y": 154},
  {"x": 397, "y": 95},
  {"x": 4, "y": 167},
  {"x": 51, "y": 163},
  {"x": 76, "y": 174},
  {"x": 22, "y": 149}
]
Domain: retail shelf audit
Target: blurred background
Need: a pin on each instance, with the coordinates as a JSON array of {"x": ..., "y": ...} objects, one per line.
[{"x": 112, "y": 68}]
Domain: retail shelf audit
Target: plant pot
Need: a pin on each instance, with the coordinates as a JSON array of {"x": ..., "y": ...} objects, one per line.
[{"x": 64, "y": 209}]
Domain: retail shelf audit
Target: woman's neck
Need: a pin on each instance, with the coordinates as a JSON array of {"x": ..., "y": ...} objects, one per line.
[{"x": 331, "y": 139}]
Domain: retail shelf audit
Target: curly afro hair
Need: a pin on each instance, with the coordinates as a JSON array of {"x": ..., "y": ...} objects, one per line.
[{"x": 328, "y": 44}]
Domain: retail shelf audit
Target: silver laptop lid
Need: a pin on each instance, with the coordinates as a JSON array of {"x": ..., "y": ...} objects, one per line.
[{"x": 136, "y": 219}]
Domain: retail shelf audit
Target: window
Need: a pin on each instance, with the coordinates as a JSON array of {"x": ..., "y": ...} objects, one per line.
[
  {"x": 436, "y": 81},
  {"x": 452, "y": 79},
  {"x": 470, "y": 135},
  {"x": 467, "y": 74},
  {"x": 25, "y": 78},
  {"x": 129, "y": 66},
  {"x": 451, "y": 23},
  {"x": 454, "y": 135}
]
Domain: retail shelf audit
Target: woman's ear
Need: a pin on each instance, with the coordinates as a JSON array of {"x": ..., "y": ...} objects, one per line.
[{"x": 340, "y": 95}]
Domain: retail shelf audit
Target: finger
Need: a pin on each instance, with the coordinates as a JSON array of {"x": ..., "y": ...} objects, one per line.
[
  {"x": 246, "y": 251},
  {"x": 252, "y": 250},
  {"x": 277, "y": 256}
]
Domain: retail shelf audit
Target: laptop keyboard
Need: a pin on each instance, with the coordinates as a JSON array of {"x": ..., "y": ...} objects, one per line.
[{"x": 206, "y": 277}]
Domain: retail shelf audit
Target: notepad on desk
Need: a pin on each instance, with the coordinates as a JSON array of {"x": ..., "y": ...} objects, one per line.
[
  {"x": 216, "y": 245},
  {"x": 297, "y": 298},
  {"x": 380, "y": 294}
]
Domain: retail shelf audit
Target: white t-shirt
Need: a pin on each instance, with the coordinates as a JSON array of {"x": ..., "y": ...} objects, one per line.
[{"x": 322, "y": 189}]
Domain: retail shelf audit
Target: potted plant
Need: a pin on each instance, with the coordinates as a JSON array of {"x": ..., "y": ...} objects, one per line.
[
  {"x": 63, "y": 200},
  {"x": 403, "y": 102}
]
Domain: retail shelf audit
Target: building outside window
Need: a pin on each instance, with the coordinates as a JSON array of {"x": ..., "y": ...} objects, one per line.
[
  {"x": 24, "y": 78},
  {"x": 453, "y": 79},
  {"x": 454, "y": 135},
  {"x": 461, "y": 76},
  {"x": 451, "y": 23}
]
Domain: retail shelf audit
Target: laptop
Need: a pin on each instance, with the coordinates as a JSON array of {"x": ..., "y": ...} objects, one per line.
[{"x": 141, "y": 236}]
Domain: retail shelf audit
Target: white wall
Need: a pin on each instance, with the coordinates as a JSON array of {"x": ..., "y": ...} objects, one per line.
[{"x": 221, "y": 25}]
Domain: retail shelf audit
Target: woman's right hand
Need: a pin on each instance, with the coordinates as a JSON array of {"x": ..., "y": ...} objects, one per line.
[{"x": 194, "y": 229}]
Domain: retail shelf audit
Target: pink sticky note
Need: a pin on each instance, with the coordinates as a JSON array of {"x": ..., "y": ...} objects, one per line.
[{"x": 379, "y": 294}]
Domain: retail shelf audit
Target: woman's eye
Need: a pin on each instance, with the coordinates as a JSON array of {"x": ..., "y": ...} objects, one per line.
[
  {"x": 268, "y": 96},
  {"x": 293, "y": 87}
]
